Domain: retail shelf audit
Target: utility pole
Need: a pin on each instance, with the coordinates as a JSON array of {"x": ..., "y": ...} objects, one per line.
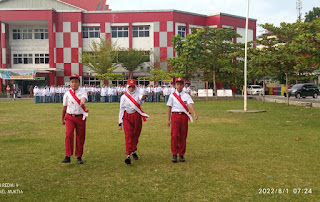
[{"x": 299, "y": 8}]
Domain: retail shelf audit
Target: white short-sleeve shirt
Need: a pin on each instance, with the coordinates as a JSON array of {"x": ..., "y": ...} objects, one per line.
[
  {"x": 126, "y": 106},
  {"x": 72, "y": 106},
  {"x": 176, "y": 106}
]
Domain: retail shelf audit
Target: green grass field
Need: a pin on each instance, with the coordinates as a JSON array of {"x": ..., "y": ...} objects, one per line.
[{"x": 229, "y": 156}]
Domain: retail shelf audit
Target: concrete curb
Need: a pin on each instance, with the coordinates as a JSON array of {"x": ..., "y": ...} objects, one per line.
[{"x": 297, "y": 103}]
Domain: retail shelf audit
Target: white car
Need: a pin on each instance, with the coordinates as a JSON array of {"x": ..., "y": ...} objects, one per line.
[{"x": 254, "y": 90}]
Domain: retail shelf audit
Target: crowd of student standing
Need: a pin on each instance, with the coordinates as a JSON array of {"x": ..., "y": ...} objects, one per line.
[{"x": 54, "y": 94}]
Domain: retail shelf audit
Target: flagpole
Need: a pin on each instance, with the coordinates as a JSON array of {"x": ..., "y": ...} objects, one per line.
[{"x": 246, "y": 59}]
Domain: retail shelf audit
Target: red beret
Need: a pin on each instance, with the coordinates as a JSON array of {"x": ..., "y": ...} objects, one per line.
[
  {"x": 131, "y": 82},
  {"x": 74, "y": 76}
]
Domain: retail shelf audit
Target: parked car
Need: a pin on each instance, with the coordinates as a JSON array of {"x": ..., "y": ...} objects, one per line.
[
  {"x": 254, "y": 90},
  {"x": 303, "y": 90}
]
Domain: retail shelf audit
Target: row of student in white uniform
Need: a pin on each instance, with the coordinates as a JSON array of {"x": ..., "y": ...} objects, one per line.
[{"x": 54, "y": 94}]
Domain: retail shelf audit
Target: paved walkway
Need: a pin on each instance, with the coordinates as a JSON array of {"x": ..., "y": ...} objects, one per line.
[{"x": 308, "y": 102}]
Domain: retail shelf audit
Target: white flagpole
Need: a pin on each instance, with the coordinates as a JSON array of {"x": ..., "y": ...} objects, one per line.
[{"x": 245, "y": 59}]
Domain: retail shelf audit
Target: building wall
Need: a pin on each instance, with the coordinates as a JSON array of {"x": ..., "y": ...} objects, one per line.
[
  {"x": 28, "y": 46},
  {"x": 242, "y": 32},
  {"x": 66, "y": 41},
  {"x": 68, "y": 44},
  {"x": 36, "y": 4}
]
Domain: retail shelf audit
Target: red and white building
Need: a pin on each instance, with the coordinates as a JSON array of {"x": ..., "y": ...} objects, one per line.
[{"x": 47, "y": 35}]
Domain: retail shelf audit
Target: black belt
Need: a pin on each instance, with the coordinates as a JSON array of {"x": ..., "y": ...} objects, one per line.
[
  {"x": 75, "y": 115},
  {"x": 178, "y": 113}
]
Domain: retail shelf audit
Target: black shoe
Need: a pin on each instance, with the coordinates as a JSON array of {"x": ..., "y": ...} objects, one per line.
[
  {"x": 135, "y": 156},
  {"x": 66, "y": 160},
  {"x": 80, "y": 161},
  {"x": 128, "y": 160},
  {"x": 174, "y": 158},
  {"x": 181, "y": 158}
]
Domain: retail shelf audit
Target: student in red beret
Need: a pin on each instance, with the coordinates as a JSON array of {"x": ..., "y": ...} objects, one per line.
[
  {"x": 131, "y": 116},
  {"x": 74, "y": 116},
  {"x": 178, "y": 117}
]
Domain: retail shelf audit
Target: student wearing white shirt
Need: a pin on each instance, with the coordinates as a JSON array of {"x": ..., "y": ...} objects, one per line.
[
  {"x": 93, "y": 93},
  {"x": 150, "y": 93},
  {"x": 166, "y": 93},
  {"x": 103, "y": 94},
  {"x": 178, "y": 116},
  {"x": 36, "y": 94},
  {"x": 172, "y": 89},
  {"x": 59, "y": 94},
  {"x": 90, "y": 89},
  {"x": 52, "y": 94},
  {"x": 74, "y": 118},
  {"x": 98, "y": 94},
  {"x": 43, "y": 95},
  {"x": 114, "y": 94},
  {"x": 131, "y": 116},
  {"x": 110, "y": 93},
  {"x": 187, "y": 89},
  {"x": 157, "y": 92}
]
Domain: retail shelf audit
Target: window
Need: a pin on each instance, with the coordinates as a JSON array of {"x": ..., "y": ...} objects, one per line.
[
  {"x": 90, "y": 32},
  {"x": 41, "y": 33},
  {"x": 118, "y": 32},
  {"x": 91, "y": 81},
  {"x": 22, "y": 58},
  {"x": 142, "y": 31},
  {"x": 182, "y": 31},
  {"x": 41, "y": 58},
  {"x": 22, "y": 34},
  {"x": 17, "y": 58},
  {"x": 16, "y": 34},
  {"x": 27, "y": 33}
]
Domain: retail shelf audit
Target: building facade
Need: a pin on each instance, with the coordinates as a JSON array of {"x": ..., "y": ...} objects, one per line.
[{"x": 48, "y": 35}]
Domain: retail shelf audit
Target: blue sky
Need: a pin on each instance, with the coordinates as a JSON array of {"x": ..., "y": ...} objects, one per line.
[{"x": 271, "y": 11}]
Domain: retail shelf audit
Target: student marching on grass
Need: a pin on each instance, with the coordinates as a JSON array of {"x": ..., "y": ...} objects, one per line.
[
  {"x": 131, "y": 116},
  {"x": 178, "y": 116},
  {"x": 74, "y": 116}
]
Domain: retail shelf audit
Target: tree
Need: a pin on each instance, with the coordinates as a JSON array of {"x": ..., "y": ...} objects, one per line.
[
  {"x": 285, "y": 59},
  {"x": 217, "y": 45},
  {"x": 307, "y": 44},
  {"x": 187, "y": 50},
  {"x": 101, "y": 59},
  {"x": 131, "y": 59},
  {"x": 312, "y": 15},
  {"x": 233, "y": 72},
  {"x": 260, "y": 58},
  {"x": 207, "y": 50},
  {"x": 159, "y": 74}
]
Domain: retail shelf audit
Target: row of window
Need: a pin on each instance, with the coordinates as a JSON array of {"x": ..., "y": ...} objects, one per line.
[
  {"x": 91, "y": 32},
  {"x": 30, "y": 59},
  {"x": 30, "y": 34},
  {"x": 120, "y": 32}
]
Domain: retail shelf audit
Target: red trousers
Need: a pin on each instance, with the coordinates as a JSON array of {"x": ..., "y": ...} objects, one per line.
[
  {"x": 179, "y": 132},
  {"x": 132, "y": 125},
  {"x": 80, "y": 126}
]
